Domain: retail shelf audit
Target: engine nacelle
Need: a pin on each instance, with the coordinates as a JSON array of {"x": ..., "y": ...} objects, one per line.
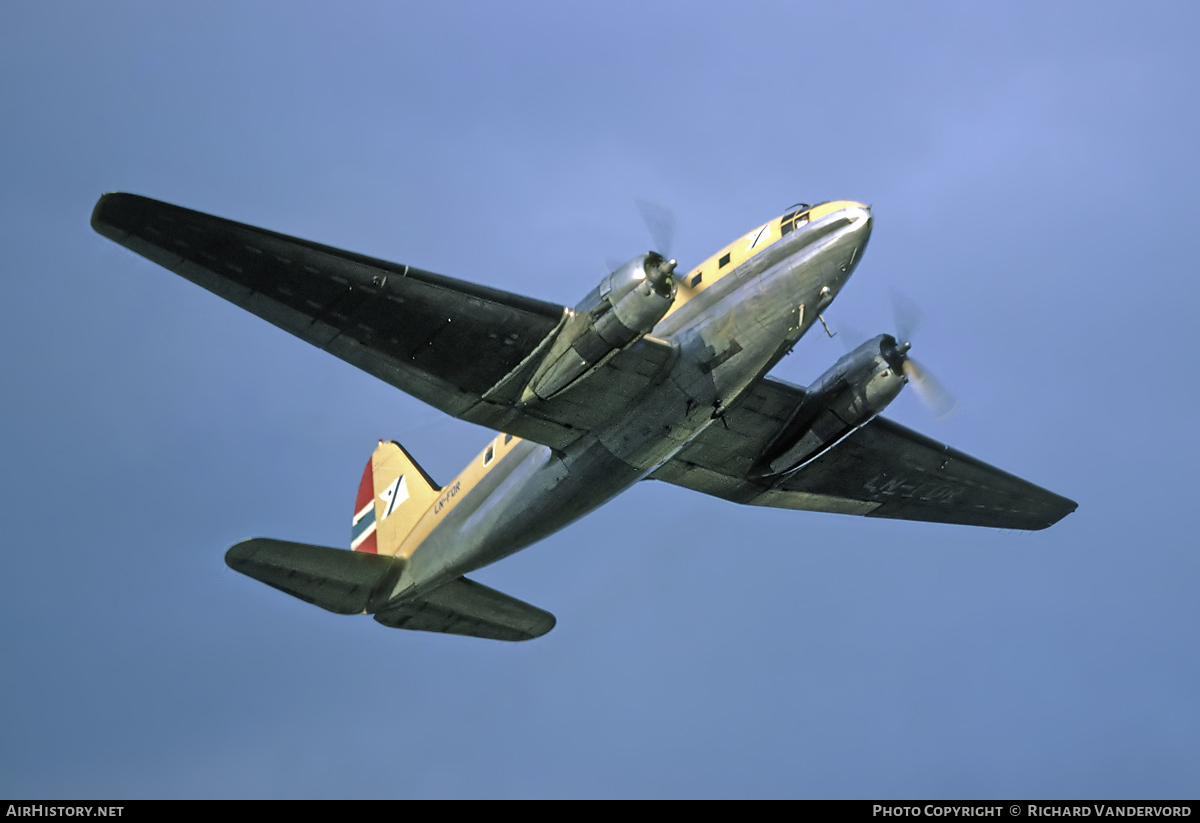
[
  {"x": 626, "y": 305},
  {"x": 858, "y": 387}
]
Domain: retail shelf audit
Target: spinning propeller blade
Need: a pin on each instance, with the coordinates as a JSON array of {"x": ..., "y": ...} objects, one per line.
[
  {"x": 936, "y": 397},
  {"x": 660, "y": 222},
  {"x": 940, "y": 402}
]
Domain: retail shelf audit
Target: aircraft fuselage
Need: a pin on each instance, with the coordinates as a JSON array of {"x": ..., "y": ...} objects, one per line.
[{"x": 733, "y": 318}]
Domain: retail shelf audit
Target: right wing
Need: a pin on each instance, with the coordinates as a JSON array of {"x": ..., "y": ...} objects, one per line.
[
  {"x": 466, "y": 349},
  {"x": 881, "y": 470}
]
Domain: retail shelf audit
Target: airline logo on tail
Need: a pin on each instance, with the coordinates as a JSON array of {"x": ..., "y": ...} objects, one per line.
[
  {"x": 393, "y": 496},
  {"x": 363, "y": 528},
  {"x": 392, "y": 484}
]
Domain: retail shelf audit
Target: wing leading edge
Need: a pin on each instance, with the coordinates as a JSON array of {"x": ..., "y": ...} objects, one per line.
[
  {"x": 882, "y": 470},
  {"x": 463, "y": 348}
]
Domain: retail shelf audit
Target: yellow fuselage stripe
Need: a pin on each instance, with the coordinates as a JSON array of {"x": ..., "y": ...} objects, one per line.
[
  {"x": 456, "y": 490},
  {"x": 739, "y": 251}
]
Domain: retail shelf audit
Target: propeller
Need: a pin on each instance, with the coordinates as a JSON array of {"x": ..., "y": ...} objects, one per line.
[
  {"x": 906, "y": 314},
  {"x": 660, "y": 222},
  {"x": 933, "y": 394},
  {"x": 936, "y": 397}
]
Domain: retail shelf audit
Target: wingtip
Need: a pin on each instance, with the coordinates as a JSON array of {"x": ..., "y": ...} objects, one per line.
[
  {"x": 98, "y": 210},
  {"x": 237, "y": 554},
  {"x": 103, "y": 208},
  {"x": 543, "y": 627},
  {"x": 1069, "y": 507}
]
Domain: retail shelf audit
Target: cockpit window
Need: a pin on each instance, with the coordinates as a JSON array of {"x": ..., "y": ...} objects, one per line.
[{"x": 794, "y": 219}]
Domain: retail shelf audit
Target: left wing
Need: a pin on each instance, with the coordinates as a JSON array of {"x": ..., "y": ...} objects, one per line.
[
  {"x": 882, "y": 470},
  {"x": 466, "y": 349}
]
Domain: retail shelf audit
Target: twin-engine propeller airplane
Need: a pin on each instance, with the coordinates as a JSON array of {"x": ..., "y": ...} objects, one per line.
[{"x": 652, "y": 375}]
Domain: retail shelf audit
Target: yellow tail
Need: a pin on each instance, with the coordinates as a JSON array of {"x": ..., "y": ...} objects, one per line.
[{"x": 393, "y": 495}]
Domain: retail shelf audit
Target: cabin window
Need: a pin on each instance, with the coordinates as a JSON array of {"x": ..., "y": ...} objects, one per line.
[
  {"x": 695, "y": 281},
  {"x": 489, "y": 454},
  {"x": 507, "y": 438},
  {"x": 724, "y": 261}
]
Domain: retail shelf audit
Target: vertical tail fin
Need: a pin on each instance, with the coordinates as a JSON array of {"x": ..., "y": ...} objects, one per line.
[{"x": 392, "y": 496}]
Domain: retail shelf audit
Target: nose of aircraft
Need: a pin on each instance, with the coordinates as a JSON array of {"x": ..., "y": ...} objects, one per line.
[
  {"x": 852, "y": 243},
  {"x": 861, "y": 222},
  {"x": 861, "y": 214},
  {"x": 868, "y": 224},
  {"x": 858, "y": 215}
]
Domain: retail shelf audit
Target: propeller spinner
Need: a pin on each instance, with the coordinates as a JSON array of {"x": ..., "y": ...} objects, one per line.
[
  {"x": 660, "y": 223},
  {"x": 659, "y": 271}
]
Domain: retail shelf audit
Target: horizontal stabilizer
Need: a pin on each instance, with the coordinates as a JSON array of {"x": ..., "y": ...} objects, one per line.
[
  {"x": 335, "y": 579},
  {"x": 465, "y": 607},
  {"x": 349, "y": 582}
]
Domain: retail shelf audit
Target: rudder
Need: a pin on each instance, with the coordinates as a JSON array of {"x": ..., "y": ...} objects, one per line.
[{"x": 393, "y": 495}]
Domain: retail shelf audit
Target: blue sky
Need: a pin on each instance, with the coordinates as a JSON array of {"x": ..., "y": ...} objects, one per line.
[{"x": 1032, "y": 170}]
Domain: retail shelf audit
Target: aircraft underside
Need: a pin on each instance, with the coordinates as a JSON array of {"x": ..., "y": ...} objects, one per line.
[{"x": 653, "y": 374}]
